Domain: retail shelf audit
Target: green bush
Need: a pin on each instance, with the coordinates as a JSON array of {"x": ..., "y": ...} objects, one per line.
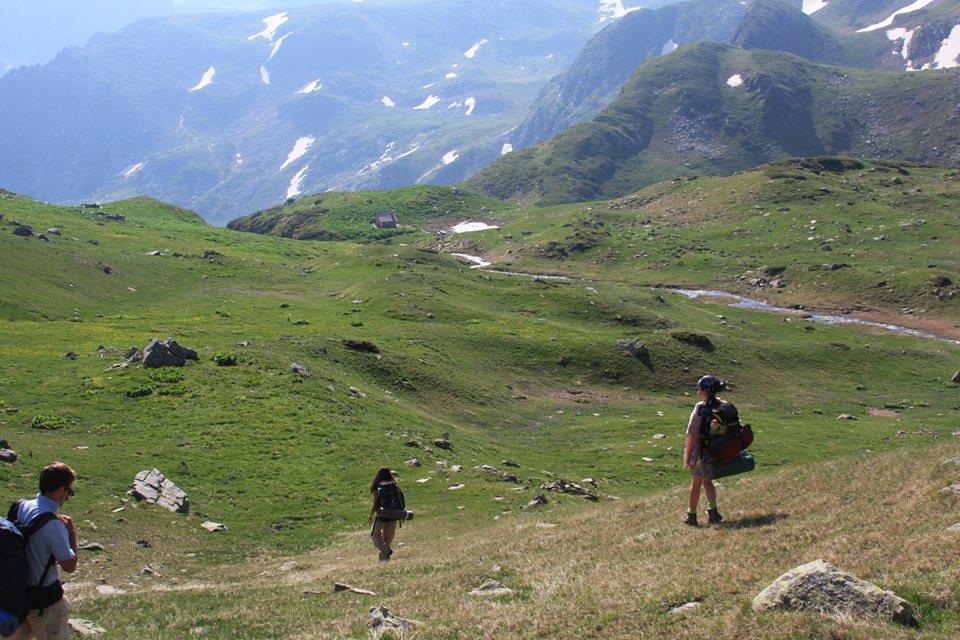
[
  {"x": 224, "y": 359},
  {"x": 48, "y": 422},
  {"x": 175, "y": 390},
  {"x": 166, "y": 374},
  {"x": 139, "y": 391}
]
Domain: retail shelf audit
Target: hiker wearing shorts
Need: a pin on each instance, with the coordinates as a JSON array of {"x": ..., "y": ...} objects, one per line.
[
  {"x": 53, "y": 544},
  {"x": 384, "y": 491},
  {"x": 695, "y": 454}
]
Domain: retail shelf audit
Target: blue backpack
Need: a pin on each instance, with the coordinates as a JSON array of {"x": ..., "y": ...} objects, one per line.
[{"x": 16, "y": 595}]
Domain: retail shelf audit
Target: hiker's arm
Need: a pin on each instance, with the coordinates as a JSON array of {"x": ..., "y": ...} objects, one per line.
[
  {"x": 687, "y": 449},
  {"x": 373, "y": 510},
  {"x": 70, "y": 565}
]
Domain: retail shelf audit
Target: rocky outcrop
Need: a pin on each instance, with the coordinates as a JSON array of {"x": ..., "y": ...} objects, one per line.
[
  {"x": 23, "y": 230},
  {"x": 821, "y": 587},
  {"x": 384, "y": 624},
  {"x": 635, "y": 348},
  {"x": 572, "y": 488},
  {"x": 7, "y": 454},
  {"x": 491, "y": 589},
  {"x": 300, "y": 370},
  {"x": 166, "y": 353},
  {"x": 153, "y": 487}
]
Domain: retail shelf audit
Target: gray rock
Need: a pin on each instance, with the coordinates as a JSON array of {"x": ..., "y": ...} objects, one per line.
[
  {"x": 440, "y": 443},
  {"x": 179, "y": 350},
  {"x": 43, "y": 237},
  {"x": 956, "y": 377},
  {"x": 509, "y": 463},
  {"x": 156, "y": 354},
  {"x": 636, "y": 348},
  {"x": 411, "y": 443},
  {"x": 413, "y": 462},
  {"x": 847, "y": 416},
  {"x": 491, "y": 589},
  {"x": 71, "y": 355},
  {"x": 91, "y": 546},
  {"x": 382, "y": 622},
  {"x": 300, "y": 370},
  {"x": 85, "y": 628},
  {"x": 53, "y": 231},
  {"x": 153, "y": 487},
  {"x": 214, "y": 527},
  {"x": 571, "y": 488},
  {"x": 954, "y": 461},
  {"x": 107, "y": 269},
  {"x": 8, "y": 455},
  {"x": 687, "y": 606},
  {"x": 340, "y": 587},
  {"x": 954, "y": 528},
  {"x": 819, "y": 586},
  {"x": 356, "y": 393},
  {"x": 23, "y": 230},
  {"x": 953, "y": 488},
  {"x": 287, "y": 567},
  {"x": 540, "y": 499}
]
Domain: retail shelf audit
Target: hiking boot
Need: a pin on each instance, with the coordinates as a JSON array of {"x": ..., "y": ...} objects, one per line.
[
  {"x": 691, "y": 519},
  {"x": 385, "y": 555},
  {"x": 713, "y": 516}
]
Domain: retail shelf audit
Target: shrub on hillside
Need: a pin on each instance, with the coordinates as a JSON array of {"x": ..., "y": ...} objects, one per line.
[
  {"x": 224, "y": 359},
  {"x": 48, "y": 422},
  {"x": 139, "y": 391},
  {"x": 165, "y": 374}
]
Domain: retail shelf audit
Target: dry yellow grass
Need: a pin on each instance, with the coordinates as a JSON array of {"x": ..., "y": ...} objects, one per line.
[{"x": 611, "y": 570}]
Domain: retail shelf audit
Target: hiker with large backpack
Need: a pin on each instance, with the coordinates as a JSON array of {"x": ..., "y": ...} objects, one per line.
[
  {"x": 389, "y": 508},
  {"x": 696, "y": 455},
  {"x": 34, "y": 541}
]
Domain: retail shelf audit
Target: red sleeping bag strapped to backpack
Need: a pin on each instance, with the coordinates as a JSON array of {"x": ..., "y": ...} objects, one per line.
[{"x": 724, "y": 436}]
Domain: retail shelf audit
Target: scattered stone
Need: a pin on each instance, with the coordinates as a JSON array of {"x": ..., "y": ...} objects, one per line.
[
  {"x": 572, "y": 488},
  {"x": 356, "y": 393},
  {"x": 107, "y": 590},
  {"x": 154, "y": 254},
  {"x": 688, "y": 606},
  {"x": 8, "y": 455},
  {"x": 153, "y": 487},
  {"x": 442, "y": 444},
  {"x": 300, "y": 370},
  {"x": 85, "y": 628},
  {"x": 538, "y": 500},
  {"x": 954, "y": 528},
  {"x": 509, "y": 463},
  {"x": 107, "y": 269},
  {"x": 956, "y": 377},
  {"x": 53, "y": 231},
  {"x": 71, "y": 355},
  {"x": 457, "y": 468},
  {"x": 214, "y": 527},
  {"x": 635, "y": 348},
  {"x": 456, "y": 487},
  {"x": 411, "y": 443},
  {"x": 491, "y": 589},
  {"x": 659, "y": 436},
  {"x": 43, "y": 237},
  {"x": 287, "y": 567},
  {"x": 821, "y": 587},
  {"x": 646, "y": 459},
  {"x": 11, "y": 410},
  {"x": 954, "y": 489},
  {"x": 339, "y": 587},
  {"x": 954, "y": 460},
  {"x": 23, "y": 230},
  {"x": 413, "y": 462},
  {"x": 92, "y": 546},
  {"x": 847, "y": 416},
  {"x": 383, "y": 622}
]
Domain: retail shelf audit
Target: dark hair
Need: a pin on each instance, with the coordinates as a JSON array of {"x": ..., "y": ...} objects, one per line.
[
  {"x": 711, "y": 384},
  {"x": 384, "y": 475},
  {"x": 54, "y": 476}
]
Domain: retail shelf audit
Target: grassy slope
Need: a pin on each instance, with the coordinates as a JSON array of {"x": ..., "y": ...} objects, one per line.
[
  {"x": 284, "y": 463},
  {"x": 610, "y": 571},
  {"x": 894, "y": 227},
  {"x": 677, "y": 116}
]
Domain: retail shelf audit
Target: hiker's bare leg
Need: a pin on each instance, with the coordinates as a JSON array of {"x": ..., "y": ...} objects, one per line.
[
  {"x": 711, "y": 490},
  {"x": 389, "y": 531},
  {"x": 695, "y": 493}
]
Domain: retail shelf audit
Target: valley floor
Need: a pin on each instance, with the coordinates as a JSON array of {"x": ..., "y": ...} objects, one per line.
[{"x": 612, "y": 570}]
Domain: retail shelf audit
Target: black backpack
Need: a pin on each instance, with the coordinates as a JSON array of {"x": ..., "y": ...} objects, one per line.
[
  {"x": 16, "y": 595},
  {"x": 391, "y": 497}
]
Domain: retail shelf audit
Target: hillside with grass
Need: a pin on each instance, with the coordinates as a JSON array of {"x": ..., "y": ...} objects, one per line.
[
  {"x": 714, "y": 109},
  {"x": 407, "y": 358}
]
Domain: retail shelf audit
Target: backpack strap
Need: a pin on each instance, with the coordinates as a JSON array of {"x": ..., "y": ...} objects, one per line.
[
  {"x": 37, "y": 523},
  {"x": 14, "y": 511}
]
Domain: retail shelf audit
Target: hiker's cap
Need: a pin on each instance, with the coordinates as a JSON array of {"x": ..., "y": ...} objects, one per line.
[{"x": 711, "y": 384}]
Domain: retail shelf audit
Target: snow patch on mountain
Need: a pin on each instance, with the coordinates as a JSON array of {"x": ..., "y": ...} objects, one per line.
[
  {"x": 506, "y": 148},
  {"x": 300, "y": 147},
  {"x": 272, "y": 23},
  {"x": 133, "y": 169},
  {"x": 735, "y": 80},
  {"x": 812, "y": 6},
  {"x": 296, "y": 183},
  {"x": 310, "y": 87},
  {"x": 472, "y": 51},
  {"x": 469, "y": 227},
  {"x": 277, "y": 45},
  {"x": 430, "y": 101},
  {"x": 264, "y": 75},
  {"x": 613, "y": 9},
  {"x": 205, "y": 80},
  {"x": 910, "y": 8},
  {"x": 906, "y": 35},
  {"x": 387, "y": 102},
  {"x": 669, "y": 47},
  {"x": 450, "y": 157},
  {"x": 471, "y": 104},
  {"x": 949, "y": 51}
]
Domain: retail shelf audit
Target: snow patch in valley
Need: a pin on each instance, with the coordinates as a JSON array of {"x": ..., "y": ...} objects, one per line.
[
  {"x": 133, "y": 169},
  {"x": 902, "y": 34},
  {"x": 264, "y": 75},
  {"x": 735, "y": 80},
  {"x": 450, "y": 157},
  {"x": 476, "y": 262},
  {"x": 471, "y": 104},
  {"x": 387, "y": 102},
  {"x": 296, "y": 183},
  {"x": 949, "y": 51},
  {"x": 613, "y": 9},
  {"x": 300, "y": 148},
  {"x": 310, "y": 87},
  {"x": 669, "y": 47},
  {"x": 472, "y": 51},
  {"x": 272, "y": 23},
  {"x": 468, "y": 226},
  {"x": 205, "y": 80},
  {"x": 506, "y": 148},
  {"x": 910, "y": 8},
  {"x": 430, "y": 101},
  {"x": 812, "y": 6},
  {"x": 276, "y": 46}
]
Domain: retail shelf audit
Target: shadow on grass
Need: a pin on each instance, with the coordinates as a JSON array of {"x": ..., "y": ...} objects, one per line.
[{"x": 755, "y": 522}]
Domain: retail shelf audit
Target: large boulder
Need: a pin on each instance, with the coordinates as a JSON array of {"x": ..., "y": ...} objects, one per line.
[
  {"x": 382, "y": 623},
  {"x": 153, "y": 487},
  {"x": 819, "y": 586},
  {"x": 179, "y": 350},
  {"x": 635, "y": 348},
  {"x": 23, "y": 230},
  {"x": 156, "y": 354}
]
